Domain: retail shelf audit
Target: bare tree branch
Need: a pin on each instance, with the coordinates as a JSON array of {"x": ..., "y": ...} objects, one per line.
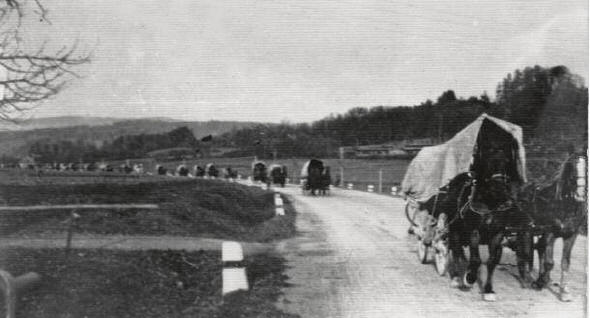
[{"x": 28, "y": 78}]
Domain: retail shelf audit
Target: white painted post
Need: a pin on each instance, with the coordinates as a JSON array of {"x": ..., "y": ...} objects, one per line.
[
  {"x": 370, "y": 188},
  {"x": 279, "y": 208},
  {"x": 350, "y": 186},
  {"x": 380, "y": 180},
  {"x": 394, "y": 190},
  {"x": 233, "y": 278},
  {"x": 341, "y": 176}
]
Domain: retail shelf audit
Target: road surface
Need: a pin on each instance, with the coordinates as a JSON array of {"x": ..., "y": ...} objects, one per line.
[{"x": 352, "y": 257}]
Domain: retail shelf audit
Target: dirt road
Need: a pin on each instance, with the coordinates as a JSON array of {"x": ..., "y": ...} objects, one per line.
[{"x": 354, "y": 258}]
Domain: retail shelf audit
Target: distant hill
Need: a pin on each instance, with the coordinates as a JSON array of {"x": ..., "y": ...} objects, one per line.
[
  {"x": 99, "y": 129},
  {"x": 58, "y": 122}
]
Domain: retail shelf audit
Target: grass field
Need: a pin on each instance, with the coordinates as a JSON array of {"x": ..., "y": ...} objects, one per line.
[
  {"x": 187, "y": 207},
  {"x": 108, "y": 283},
  {"x": 102, "y": 283}
]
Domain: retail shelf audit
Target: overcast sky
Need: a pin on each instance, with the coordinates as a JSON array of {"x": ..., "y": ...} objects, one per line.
[{"x": 300, "y": 60}]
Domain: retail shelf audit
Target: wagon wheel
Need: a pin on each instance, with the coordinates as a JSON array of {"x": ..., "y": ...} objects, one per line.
[
  {"x": 441, "y": 246},
  {"x": 422, "y": 252}
]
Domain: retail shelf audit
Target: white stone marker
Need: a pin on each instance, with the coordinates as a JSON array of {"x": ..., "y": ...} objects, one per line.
[
  {"x": 233, "y": 278},
  {"x": 280, "y": 211},
  {"x": 350, "y": 186},
  {"x": 370, "y": 188},
  {"x": 393, "y": 190},
  {"x": 231, "y": 252},
  {"x": 278, "y": 201}
]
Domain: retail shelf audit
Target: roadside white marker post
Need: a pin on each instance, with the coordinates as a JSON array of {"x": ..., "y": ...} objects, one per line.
[
  {"x": 279, "y": 208},
  {"x": 350, "y": 186},
  {"x": 394, "y": 190},
  {"x": 233, "y": 278},
  {"x": 370, "y": 188},
  {"x": 380, "y": 180}
]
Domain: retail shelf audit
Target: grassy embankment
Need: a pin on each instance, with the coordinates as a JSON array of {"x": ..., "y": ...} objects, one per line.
[{"x": 106, "y": 283}]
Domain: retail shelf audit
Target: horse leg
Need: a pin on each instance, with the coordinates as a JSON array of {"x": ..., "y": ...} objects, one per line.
[
  {"x": 495, "y": 249},
  {"x": 568, "y": 244},
  {"x": 524, "y": 256},
  {"x": 458, "y": 259},
  {"x": 545, "y": 260},
  {"x": 470, "y": 276}
]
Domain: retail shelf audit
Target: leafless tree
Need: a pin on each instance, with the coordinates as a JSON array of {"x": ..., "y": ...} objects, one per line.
[{"x": 27, "y": 78}]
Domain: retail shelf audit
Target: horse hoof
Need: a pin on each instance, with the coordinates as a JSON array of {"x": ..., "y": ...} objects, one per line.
[
  {"x": 489, "y": 296},
  {"x": 455, "y": 282},
  {"x": 537, "y": 285},
  {"x": 565, "y": 296}
]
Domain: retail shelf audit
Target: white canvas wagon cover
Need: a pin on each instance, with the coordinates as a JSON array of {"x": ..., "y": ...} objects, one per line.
[{"x": 435, "y": 166}]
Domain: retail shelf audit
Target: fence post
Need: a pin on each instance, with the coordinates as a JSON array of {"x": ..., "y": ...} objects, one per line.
[
  {"x": 380, "y": 180},
  {"x": 341, "y": 176}
]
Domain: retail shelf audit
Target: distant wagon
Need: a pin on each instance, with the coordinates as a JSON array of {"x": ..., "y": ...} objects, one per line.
[
  {"x": 211, "y": 170},
  {"x": 182, "y": 171},
  {"x": 259, "y": 171},
  {"x": 198, "y": 171},
  {"x": 315, "y": 177},
  {"x": 160, "y": 170},
  {"x": 278, "y": 174}
]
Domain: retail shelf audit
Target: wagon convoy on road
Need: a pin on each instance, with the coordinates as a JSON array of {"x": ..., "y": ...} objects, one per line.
[{"x": 466, "y": 192}]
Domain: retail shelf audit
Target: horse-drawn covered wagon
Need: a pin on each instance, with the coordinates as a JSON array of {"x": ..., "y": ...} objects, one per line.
[
  {"x": 278, "y": 174},
  {"x": 259, "y": 171},
  {"x": 463, "y": 193},
  {"x": 315, "y": 176}
]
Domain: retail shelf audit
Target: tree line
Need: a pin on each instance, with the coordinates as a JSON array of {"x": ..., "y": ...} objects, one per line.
[{"x": 541, "y": 100}]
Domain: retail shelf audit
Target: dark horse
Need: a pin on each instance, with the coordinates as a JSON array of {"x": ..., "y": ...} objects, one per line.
[
  {"x": 480, "y": 208},
  {"x": 559, "y": 210},
  {"x": 259, "y": 172},
  {"x": 315, "y": 171},
  {"x": 279, "y": 175}
]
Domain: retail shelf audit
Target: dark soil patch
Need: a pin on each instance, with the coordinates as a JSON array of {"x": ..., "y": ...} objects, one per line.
[
  {"x": 102, "y": 283},
  {"x": 187, "y": 207}
]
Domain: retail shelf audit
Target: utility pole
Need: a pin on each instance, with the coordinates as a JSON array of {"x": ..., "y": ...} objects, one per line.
[{"x": 380, "y": 180}]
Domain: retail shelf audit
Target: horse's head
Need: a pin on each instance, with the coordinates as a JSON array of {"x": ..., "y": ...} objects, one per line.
[
  {"x": 495, "y": 192},
  {"x": 493, "y": 181}
]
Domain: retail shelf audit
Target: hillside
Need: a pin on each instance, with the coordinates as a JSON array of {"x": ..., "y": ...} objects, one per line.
[{"x": 17, "y": 142}]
